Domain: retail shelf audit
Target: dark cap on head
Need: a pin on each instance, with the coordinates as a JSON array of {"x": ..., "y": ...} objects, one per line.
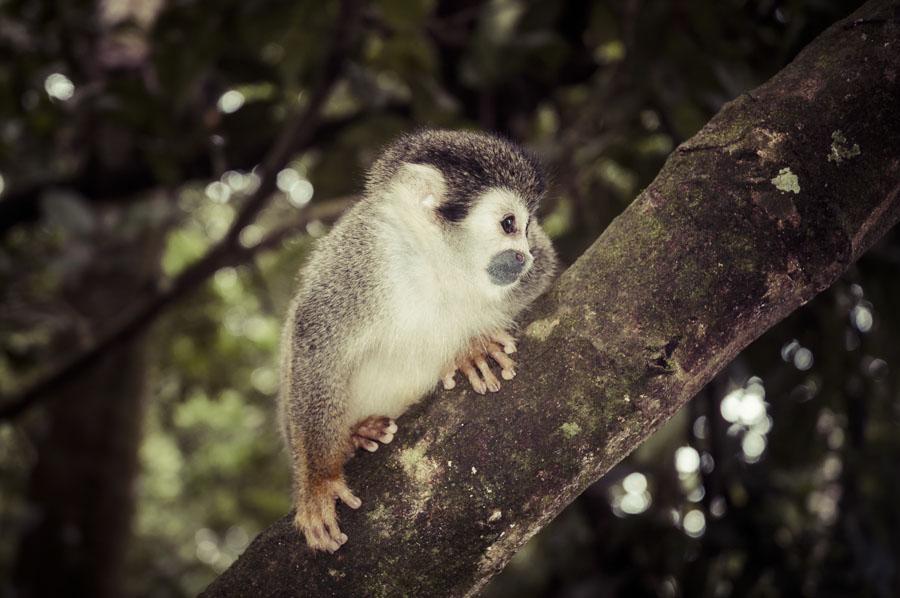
[{"x": 471, "y": 163}]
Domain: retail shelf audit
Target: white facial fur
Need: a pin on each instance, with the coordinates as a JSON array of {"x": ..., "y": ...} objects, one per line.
[{"x": 480, "y": 236}]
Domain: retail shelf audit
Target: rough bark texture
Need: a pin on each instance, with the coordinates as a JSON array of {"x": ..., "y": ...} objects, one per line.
[{"x": 747, "y": 221}]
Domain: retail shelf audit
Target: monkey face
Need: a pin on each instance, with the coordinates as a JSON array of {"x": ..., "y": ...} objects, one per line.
[{"x": 496, "y": 239}]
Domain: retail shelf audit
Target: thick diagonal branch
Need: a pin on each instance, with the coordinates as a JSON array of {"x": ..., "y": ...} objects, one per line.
[{"x": 760, "y": 211}]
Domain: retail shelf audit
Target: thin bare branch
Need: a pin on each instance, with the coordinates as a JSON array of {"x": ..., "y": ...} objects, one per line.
[{"x": 220, "y": 256}]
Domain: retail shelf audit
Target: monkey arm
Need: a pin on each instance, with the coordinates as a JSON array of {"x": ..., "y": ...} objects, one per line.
[
  {"x": 313, "y": 421},
  {"x": 474, "y": 363}
]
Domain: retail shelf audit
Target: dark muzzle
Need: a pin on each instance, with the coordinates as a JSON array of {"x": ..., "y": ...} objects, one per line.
[{"x": 506, "y": 266}]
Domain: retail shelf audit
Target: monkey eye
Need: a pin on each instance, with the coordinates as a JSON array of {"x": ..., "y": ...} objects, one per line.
[{"x": 509, "y": 224}]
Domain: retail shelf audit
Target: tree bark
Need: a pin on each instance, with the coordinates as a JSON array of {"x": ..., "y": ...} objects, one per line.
[{"x": 748, "y": 220}]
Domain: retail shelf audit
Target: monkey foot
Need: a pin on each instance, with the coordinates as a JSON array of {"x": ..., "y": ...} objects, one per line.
[
  {"x": 316, "y": 516},
  {"x": 371, "y": 429},
  {"x": 474, "y": 364}
]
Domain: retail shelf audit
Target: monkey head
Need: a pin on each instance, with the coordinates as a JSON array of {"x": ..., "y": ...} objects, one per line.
[{"x": 478, "y": 194}]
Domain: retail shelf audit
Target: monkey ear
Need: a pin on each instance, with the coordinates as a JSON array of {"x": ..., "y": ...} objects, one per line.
[{"x": 422, "y": 185}]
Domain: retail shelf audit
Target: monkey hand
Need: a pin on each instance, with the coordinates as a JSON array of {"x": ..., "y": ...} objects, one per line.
[
  {"x": 366, "y": 432},
  {"x": 473, "y": 362}
]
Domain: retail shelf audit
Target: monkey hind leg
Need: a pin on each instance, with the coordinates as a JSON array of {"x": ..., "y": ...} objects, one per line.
[
  {"x": 366, "y": 432},
  {"x": 318, "y": 456}
]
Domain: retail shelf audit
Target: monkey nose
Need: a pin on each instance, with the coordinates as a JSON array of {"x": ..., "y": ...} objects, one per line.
[{"x": 505, "y": 267}]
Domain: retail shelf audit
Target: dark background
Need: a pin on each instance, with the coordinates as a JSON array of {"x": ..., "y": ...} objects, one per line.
[{"x": 129, "y": 134}]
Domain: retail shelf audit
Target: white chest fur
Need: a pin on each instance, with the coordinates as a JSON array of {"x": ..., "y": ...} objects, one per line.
[{"x": 431, "y": 311}]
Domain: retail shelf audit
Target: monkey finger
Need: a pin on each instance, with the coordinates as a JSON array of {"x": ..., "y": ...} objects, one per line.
[
  {"x": 490, "y": 379},
  {"x": 331, "y": 545},
  {"x": 320, "y": 539},
  {"x": 505, "y": 339},
  {"x": 347, "y": 497},
  {"x": 477, "y": 384},
  {"x": 381, "y": 429},
  {"x": 507, "y": 366},
  {"x": 501, "y": 358},
  {"x": 491, "y": 346},
  {"x": 448, "y": 381},
  {"x": 310, "y": 526},
  {"x": 365, "y": 443},
  {"x": 334, "y": 532},
  {"x": 388, "y": 429}
]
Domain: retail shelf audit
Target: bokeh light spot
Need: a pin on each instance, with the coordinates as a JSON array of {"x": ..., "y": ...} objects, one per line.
[
  {"x": 694, "y": 523},
  {"x": 231, "y": 101},
  {"x": 687, "y": 460},
  {"x": 59, "y": 87},
  {"x": 803, "y": 359}
]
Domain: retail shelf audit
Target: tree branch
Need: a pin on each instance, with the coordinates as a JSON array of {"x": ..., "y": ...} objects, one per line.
[
  {"x": 297, "y": 135},
  {"x": 138, "y": 319},
  {"x": 20, "y": 202},
  {"x": 725, "y": 242},
  {"x": 21, "y": 205}
]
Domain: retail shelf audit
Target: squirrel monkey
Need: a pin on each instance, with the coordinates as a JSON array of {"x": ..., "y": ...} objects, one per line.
[{"x": 423, "y": 276}]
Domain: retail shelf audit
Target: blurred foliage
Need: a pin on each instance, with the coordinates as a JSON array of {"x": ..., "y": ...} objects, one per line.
[{"x": 124, "y": 121}]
